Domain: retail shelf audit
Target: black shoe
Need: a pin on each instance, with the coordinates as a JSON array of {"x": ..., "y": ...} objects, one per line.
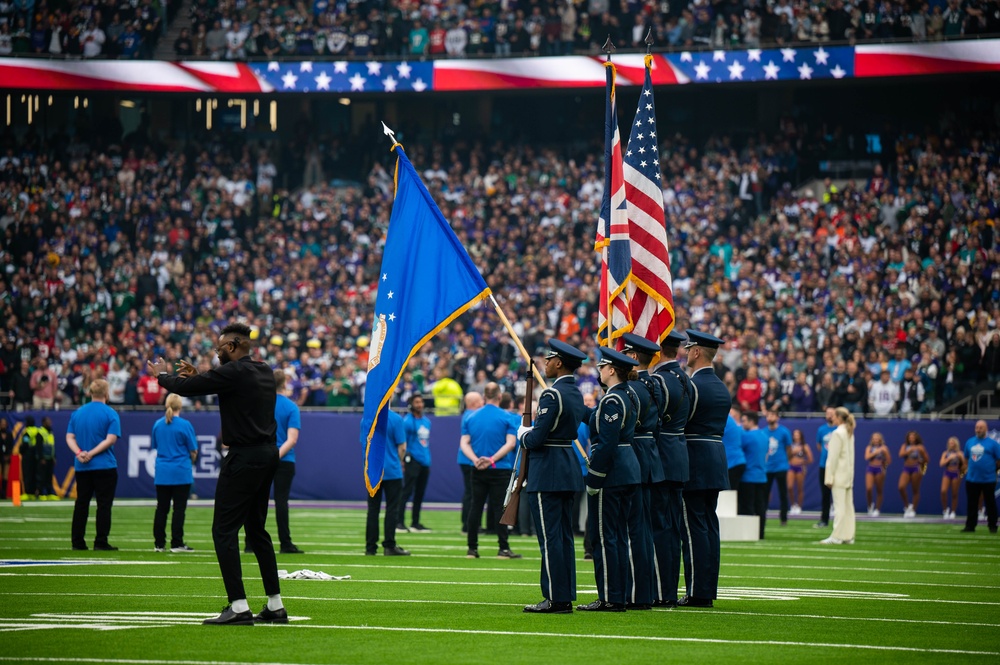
[
  {"x": 181, "y": 548},
  {"x": 548, "y": 607},
  {"x": 664, "y": 603},
  {"x": 395, "y": 551},
  {"x": 691, "y": 601},
  {"x": 638, "y": 606},
  {"x": 419, "y": 528},
  {"x": 472, "y": 554},
  {"x": 290, "y": 549},
  {"x": 507, "y": 554},
  {"x": 104, "y": 547},
  {"x": 230, "y": 618},
  {"x": 248, "y": 550},
  {"x": 601, "y": 606},
  {"x": 993, "y": 529},
  {"x": 371, "y": 552},
  {"x": 967, "y": 530},
  {"x": 80, "y": 547},
  {"x": 588, "y": 556},
  {"x": 271, "y": 616}
]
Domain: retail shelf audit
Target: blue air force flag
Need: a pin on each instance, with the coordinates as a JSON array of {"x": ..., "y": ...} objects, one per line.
[{"x": 426, "y": 282}]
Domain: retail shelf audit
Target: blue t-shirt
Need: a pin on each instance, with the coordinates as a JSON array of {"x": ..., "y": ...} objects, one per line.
[
  {"x": 732, "y": 438},
  {"x": 91, "y": 424},
  {"x": 823, "y": 435},
  {"x": 754, "y": 445},
  {"x": 583, "y": 434},
  {"x": 286, "y": 414},
  {"x": 982, "y": 455},
  {"x": 173, "y": 442},
  {"x": 395, "y": 436},
  {"x": 462, "y": 459},
  {"x": 488, "y": 428},
  {"x": 777, "y": 454},
  {"x": 418, "y": 438}
]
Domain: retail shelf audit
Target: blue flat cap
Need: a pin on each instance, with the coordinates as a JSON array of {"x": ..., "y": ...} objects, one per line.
[
  {"x": 606, "y": 356},
  {"x": 640, "y": 344},
  {"x": 674, "y": 339},
  {"x": 572, "y": 356},
  {"x": 696, "y": 338}
]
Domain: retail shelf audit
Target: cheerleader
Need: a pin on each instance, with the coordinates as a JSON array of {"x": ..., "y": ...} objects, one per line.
[
  {"x": 915, "y": 458},
  {"x": 878, "y": 457},
  {"x": 954, "y": 464},
  {"x": 799, "y": 457}
]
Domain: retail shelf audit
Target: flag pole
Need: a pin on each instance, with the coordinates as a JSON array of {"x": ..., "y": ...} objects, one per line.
[
  {"x": 517, "y": 341},
  {"x": 609, "y": 48}
]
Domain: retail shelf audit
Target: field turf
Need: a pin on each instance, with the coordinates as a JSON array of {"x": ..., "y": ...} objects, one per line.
[{"x": 905, "y": 592}]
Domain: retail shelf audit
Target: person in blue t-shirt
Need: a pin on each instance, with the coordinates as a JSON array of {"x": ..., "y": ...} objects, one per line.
[
  {"x": 392, "y": 487},
  {"x": 779, "y": 440},
  {"x": 732, "y": 439},
  {"x": 286, "y": 414},
  {"x": 473, "y": 401},
  {"x": 823, "y": 435},
  {"x": 983, "y": 456},
  {"x": 754, "y": 484},
  {"x": 176, "y": 450},
  {"x": 418, "y": 463},
  {"x": 93, "y": 430},
  {"x": 488, "y": 440}
]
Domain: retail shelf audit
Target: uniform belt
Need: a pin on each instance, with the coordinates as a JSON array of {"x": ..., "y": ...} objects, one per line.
[
  {"x": 704, "y": 439},
  {"x": 624, "y": 445},
  {"x": 644, "y": 436},
  {"x": 559, "y": 443},
  {"x": 677, "y": 433}
]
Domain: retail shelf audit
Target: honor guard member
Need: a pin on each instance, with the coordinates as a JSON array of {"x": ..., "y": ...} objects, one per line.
[
  {"x": 666, "y": 499},
  {"x": 554, "y": 476},
  {"x": 710, "y": 404},
  {"x": 640, "y": 534},
  {"x": 613, "y": 479}
]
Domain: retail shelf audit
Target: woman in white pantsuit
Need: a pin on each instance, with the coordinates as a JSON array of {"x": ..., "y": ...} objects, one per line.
[{"x": 840, "y": 478}]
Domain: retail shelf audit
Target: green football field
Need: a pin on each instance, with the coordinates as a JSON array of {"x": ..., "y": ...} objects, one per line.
[{"x": 906, "y": 591}]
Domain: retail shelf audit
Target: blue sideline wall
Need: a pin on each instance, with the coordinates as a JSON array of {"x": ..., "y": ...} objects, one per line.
[{"x": 329, "y": 457}]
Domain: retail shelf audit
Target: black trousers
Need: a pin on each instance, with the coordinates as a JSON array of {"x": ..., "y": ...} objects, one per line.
[
  {"x": 972, "y": 492},
  {"x": 782, "y": 478},
  {"x": 44, "y": 479},
  {"x": 29, "y": 471},
  {"x": 414, "y": 485},
  {"x": 165, "y": 495},
  {"x": 466, "y": 470},
  {"x": 282, "y": 488},
  {"x": 701, "y": 543},
  {"x": 640, "y": 543},
  {"x": 393, "y": 491},
  {"x": 552, "y": 512},
  {"x": 667, "y": 521},
  {"x": 826, "y": 496},
  {"x": 752, "y": 500},
  {"x": 492, "y": 484},
  {"x": 608, "y": 518},
  {"x": 241, "y": 496},
  {"x": 102, "y": 484},
  {"x": 735, "y": 474}
]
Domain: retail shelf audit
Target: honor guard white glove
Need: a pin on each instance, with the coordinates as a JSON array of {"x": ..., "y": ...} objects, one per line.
[{"x": 522, "y": 430}]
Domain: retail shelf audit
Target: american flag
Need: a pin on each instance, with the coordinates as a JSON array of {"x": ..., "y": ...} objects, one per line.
[
  {"x": 652, "y": 300},
  {"x": 612, "y": 230}
]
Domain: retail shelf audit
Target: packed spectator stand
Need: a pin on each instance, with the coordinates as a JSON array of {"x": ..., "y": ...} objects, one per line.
[{"x": 256, "y": 30}]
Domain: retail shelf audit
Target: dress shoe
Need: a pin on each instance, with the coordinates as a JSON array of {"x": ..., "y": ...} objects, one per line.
[
  {"x": 588, "y": 556},
  {"x": 396, "y": 550},
  {"x": 230, "y": 618},
  {"x": 601, "y": 606},
  {"x": 248, "y": 550},
  {"x": 993, "y": 529},
  {"x": 691, "y": 601},
  {"x": 80, "y": 547},
  {"x": 371, "y": 552},
  {"x": 472, "y": 554},
  {"x": 271, "y": 616},
  {"x": 548, "y": 607},
  {"x": 967, "y": 530},
  {"x": 507, "y": 554},
  {"x": 290, "y": 549},
  {"x": 104, "y": 547},
  {"x": 664, "y": 603},
  {"x": 638, "y": 606}
]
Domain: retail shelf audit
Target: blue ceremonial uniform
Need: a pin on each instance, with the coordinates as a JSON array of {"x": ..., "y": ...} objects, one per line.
[
  {"x": 650, "y": 394},
  {"x": 614, "y": 471},
  {"x": 710, "y": 405},
  {"x": 553, "y": 479},
  {"x": 666, "y": 500}
]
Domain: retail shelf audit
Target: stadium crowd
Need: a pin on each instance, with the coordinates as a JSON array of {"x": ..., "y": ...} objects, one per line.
[
  {"x": 256, "y": 29},
  {"x": 115, "y": 252}
]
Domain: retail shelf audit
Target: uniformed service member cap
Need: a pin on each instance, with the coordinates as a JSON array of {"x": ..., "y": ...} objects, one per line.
[
  {"x": 571, "y": 356},
  {"x": 674, "y": 338},
  {"x": 696, "y": 338},
  {"x": 606, "y": 356},
  {"x": 640, "y": 344}
]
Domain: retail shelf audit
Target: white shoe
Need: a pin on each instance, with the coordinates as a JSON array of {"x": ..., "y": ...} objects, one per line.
[
  {"x": 871, "y": 509},
  {"x": 876, "y": 512},
  {"x": 946, "y": 514},
  {"x": 951, "y": 514},
  {"x": 849, "y": 542},
  {"x": 831, "y": 541},
  {"x": 982, "y": 514},
  {"x": 909, "y": 512}
]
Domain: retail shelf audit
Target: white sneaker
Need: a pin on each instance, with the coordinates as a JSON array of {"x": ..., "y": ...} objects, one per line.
[
  {"x": 876, "y": 512},
  {"x": 909, "y": 512},
  {"x": 946, "y": 514},
  {"x": 951, "y": 514},
  {"x": 871, "y": 509},
  {"x": 831, "y": 541},
  {"x": 849, "y": 542},
  {"x": 982, "y": 515}
]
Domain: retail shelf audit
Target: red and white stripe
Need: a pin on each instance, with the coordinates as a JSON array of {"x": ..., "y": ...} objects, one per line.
[
  {"x": 958, "y": 57},
  {"x": 129, "y": 75}
]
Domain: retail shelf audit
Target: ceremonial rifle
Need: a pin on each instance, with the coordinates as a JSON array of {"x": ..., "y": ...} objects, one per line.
[{"x": 519, "y": 474}]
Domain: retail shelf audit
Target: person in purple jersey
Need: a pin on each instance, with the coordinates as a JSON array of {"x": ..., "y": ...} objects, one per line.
[
  {"x": 799, "y": 458},
  {"x": 954, "y": 464},
  {"x": 915, "y": 458},
  {"x": 878, "y": 457}
]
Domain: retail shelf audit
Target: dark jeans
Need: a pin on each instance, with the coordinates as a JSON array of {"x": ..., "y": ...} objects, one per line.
[
  {"x": 241, "y": 496},
  {"x": 973, "y": 491},
  {"x": 735, "y": 473},
  {"x": 826, "y": 496},
  {"x": 165, "y": 494},
  {"x": 282, "y": 487},
  {"x": 752, "y": 500},
  {"x": 102, "y": 484},
  {"x": 466, "y": 492},
  {"x": 393, "y": 490},
  {"x": 782, "y": 478},
  {"x": 29, "y": 472},
  {"x": 45, "y": 469},
  {"x": 490, "y": 483},
  {"x": 414, "y": 484}
]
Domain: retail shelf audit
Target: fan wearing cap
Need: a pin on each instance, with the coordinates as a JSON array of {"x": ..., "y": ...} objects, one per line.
[
  {"x": 666, "y": 498},
  {"x": 613, "y": 479},
  {"x": 554, "y": 476},
  {"x": 649, "y": 392},
  {"x": 710, "y": 405}
]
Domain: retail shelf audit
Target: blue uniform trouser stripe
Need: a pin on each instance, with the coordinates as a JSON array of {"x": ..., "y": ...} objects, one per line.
[
  {"x": 701, "y": 543},
  {"x": 608, "y": 519},
  {"x": 554, "y": 511},
  {"x": 667, "y": 523}
]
